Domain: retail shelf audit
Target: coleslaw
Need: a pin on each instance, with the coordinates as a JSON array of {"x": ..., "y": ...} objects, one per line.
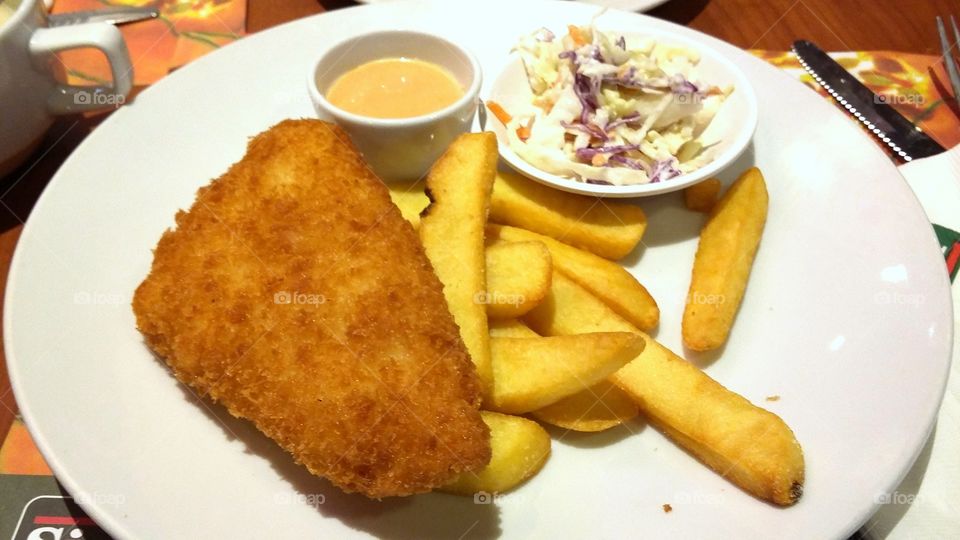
[{"x": 611, "y": 109}]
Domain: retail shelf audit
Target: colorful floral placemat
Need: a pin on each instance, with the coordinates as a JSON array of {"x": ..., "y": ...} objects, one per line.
[
  {"x": 31, "y": 499},
  {"x": 915, "y": 85},
  {"x": 184, "y": 31}
]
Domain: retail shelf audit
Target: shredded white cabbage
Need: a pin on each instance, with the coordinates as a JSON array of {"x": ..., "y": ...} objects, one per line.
[{"x": 612, "y": 109}]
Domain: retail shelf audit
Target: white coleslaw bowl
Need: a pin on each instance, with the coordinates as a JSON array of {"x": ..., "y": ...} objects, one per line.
[{"x": 733, "y": 126}]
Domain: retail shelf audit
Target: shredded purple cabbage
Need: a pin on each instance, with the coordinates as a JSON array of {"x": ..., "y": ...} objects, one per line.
[
  {"x": 589, "y": 152},
  {"x": 680, "y": 85},
  {"x": 677, "y": 84},
  {"x": 625, "y": 80},
  {"x": 589, "y": 129},
  {"x": 628, "y": 162},
  {"x": 663, "y": 170},
  {"x": 586, "y": 89},
  {"x": 544, "y": 34},
  {"x": 631, "y": 118},
  {"x": 628, "y": 80},
  {"x": 597, "y": 54}
]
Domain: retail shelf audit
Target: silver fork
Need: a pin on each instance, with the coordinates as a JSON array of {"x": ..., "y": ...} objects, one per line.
[{"x": 948, "y": 58}]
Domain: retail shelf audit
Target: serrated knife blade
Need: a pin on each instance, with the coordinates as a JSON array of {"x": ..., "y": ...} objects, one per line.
[{"x": 906, "y": 139}]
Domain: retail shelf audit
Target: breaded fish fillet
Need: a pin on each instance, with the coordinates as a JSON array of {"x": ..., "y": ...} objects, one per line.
[{"x": 295, "y": 294}]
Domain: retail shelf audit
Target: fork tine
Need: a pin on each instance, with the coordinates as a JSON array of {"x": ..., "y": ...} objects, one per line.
[
  {"x": 948, "y": 57},
  {"x": 956, "y": 42},
  {"x": 956, "y": 32}
]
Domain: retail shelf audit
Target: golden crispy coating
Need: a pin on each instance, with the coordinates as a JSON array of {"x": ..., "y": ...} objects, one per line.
[
  {"x": 451, "y": 231},
  {"x": 703, "y": 196},
  {"x": 295, "y": 294},
  {"x": 721, "y": 268}
]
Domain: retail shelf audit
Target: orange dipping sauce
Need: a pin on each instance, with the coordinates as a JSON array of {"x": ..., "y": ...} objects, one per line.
[{"x": 395, "y": 88}]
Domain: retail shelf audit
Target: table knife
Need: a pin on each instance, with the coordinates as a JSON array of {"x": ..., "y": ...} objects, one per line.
[
  {"x": 118, "y": 15},
  {"x": 931, "y": 171},
  {"x": 906, "y": 140}
]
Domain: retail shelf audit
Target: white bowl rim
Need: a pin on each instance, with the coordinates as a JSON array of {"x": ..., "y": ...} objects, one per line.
[
  {"x": 735, "y": 149},
  {"x": 470, "y": 94},
  {"x": 16, "y": 18}
]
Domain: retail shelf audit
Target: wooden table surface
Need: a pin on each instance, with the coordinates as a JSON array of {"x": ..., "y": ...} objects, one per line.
[{"x": 761, "y": 24}]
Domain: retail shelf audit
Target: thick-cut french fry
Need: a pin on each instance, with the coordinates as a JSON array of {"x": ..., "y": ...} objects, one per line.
[
  {"x": 750, "y": 446},
  {"x": 410, "y": 199},
  {"x": 518, "y": 277},
  {"x": 601, "y": 407},
  {"x": 702, "y": 197},
  {"x": 520, "y": 448},
  {"x": 510, "y": 328},
  {"x": 728, "y": 244},
  {"x": 606, "y": 228},
  {"x": 452, "y": 232},
  {"x": 530, "y": 373},
  {"x": 569, "y": 308},
  {"x": 589, "y": 410},
  {"x": 605, "y": 279}
]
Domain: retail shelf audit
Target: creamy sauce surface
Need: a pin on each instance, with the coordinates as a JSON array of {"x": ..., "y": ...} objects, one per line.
[{"x": 395, "y": 88}]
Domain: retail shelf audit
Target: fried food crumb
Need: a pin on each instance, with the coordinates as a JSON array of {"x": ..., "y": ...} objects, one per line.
[
  {"x": 773, "y": 398},
  {"x": 667, "y": 509}
]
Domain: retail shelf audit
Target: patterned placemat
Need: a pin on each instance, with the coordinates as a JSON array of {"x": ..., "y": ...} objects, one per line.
[
  {"x": 184, "y": 31},
  {"x": 915, "y": 85}
]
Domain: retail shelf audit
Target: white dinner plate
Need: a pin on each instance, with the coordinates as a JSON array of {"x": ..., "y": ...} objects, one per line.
[
  {"x": 847, "y": 319},
  {"x": 628, "y": 5}
]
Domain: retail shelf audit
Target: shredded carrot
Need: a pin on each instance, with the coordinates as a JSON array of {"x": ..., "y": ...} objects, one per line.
[
  {"x": 577, "y": 35},
  {"x": 498, "y": 111},
  {"x": 524, "y": 131},
  {"x": 548, "y": 106}
]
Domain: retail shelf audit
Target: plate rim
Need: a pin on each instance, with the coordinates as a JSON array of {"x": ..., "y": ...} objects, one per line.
[{"x": 114, "y": 527}]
